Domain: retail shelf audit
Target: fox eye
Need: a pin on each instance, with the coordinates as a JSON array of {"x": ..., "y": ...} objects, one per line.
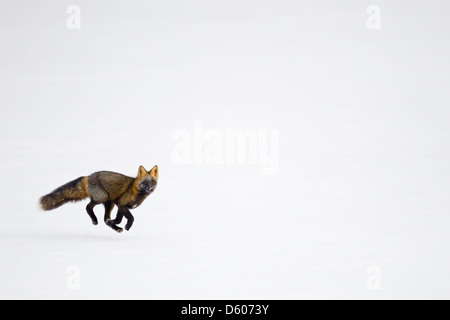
[{"x": 145, "y": 182}]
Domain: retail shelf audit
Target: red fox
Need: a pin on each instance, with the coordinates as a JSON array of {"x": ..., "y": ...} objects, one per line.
[{"x": 107, "y": 188}]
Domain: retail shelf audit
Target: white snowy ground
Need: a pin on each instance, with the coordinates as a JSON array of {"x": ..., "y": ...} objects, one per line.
[{"x": 359, "y": 207}]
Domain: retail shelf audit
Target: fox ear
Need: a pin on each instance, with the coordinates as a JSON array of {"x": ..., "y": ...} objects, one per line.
[
  {"x": 142, "y": 172},
  {"x": 154, "y": 172}
]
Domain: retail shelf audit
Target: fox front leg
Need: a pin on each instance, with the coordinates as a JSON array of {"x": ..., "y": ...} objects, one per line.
[
  {"x": 121, "y": 212},
  {"x": 112, "y": 225},
  {"x": 130, "y": 219},
  {"x": 119, "y": 217}
]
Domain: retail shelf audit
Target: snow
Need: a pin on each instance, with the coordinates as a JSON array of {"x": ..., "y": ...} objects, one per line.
[{"x": 359, "y": 205}]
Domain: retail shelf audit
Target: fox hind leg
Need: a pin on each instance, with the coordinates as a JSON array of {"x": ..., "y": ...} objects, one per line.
[
  {"x": 90, "y": 211},
  {"x": 108, "y": 208}
]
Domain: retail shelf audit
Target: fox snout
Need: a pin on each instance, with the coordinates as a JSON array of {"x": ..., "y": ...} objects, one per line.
[{"x": 149, "y": 186}]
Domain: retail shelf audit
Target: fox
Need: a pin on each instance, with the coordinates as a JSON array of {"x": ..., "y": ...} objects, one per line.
[{"x": 107, "y": 188}]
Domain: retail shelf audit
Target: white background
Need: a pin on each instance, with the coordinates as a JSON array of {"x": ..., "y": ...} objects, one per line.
[{"x": 364, "y": 148}]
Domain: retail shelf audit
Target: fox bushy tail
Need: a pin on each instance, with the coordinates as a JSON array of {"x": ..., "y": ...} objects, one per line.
[{"x": 72, "y": 191}]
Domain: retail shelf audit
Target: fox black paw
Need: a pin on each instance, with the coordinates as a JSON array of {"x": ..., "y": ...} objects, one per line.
[{"x": 113, "y": 226}]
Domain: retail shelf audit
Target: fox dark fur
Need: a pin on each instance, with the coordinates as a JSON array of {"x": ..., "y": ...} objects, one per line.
[{"x": 107, "y": 188}]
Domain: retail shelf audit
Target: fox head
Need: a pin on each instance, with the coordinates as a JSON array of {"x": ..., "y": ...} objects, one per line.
[{"x": 146, "y": 181}]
